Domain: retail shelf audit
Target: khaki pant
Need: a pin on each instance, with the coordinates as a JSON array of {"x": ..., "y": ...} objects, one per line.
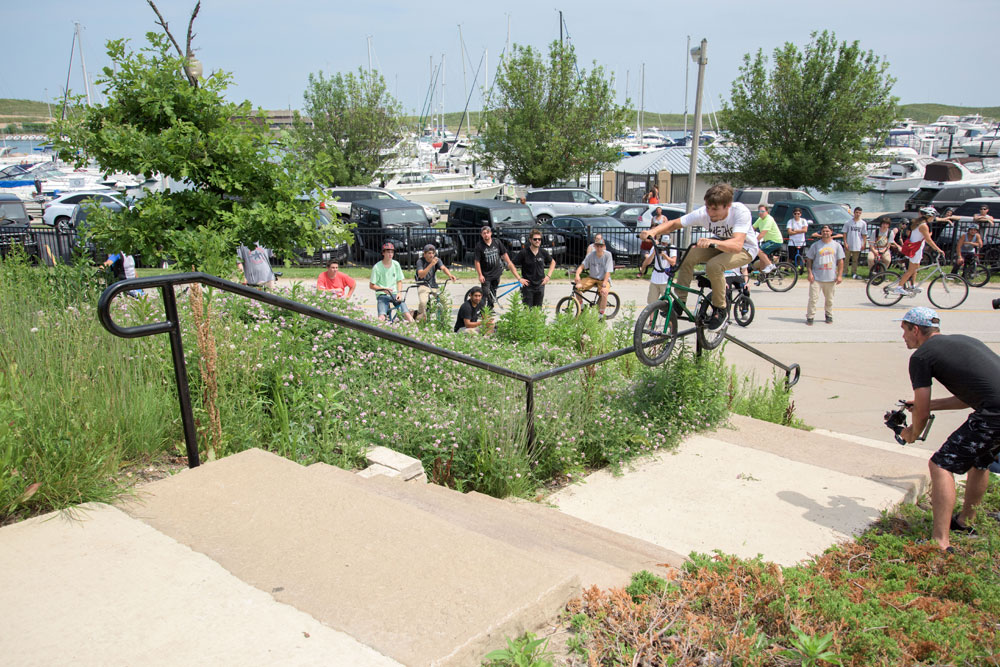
[
  {"x": 716, "y": 262},
  {"x": 828, "y": 289},
  {"x": 423, "y": 292},
  {"x": 853, "y": 262},
  {"x": 655, "y": 292}
]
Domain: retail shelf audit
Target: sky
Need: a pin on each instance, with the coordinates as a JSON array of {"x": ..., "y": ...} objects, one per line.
[{"x": 270, "y": 48}]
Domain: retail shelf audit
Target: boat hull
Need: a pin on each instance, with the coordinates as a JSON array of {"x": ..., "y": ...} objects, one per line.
[{"x": 443, "y": 196}]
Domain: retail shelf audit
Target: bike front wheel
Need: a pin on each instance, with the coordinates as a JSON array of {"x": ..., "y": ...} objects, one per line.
[
  {"x": 613, "y": 305},
  {"x": 567, "y": 306},
  {"x": 655, "y": 333},
  {"x": 977, "y": 275},
  {"x": 783, "y": 278},
  {"x": 709, "y": 340},
  {"x": 743, "y": 310},
  {"x": 880, "y": 288},
  {"x": 948, "y": 291}
]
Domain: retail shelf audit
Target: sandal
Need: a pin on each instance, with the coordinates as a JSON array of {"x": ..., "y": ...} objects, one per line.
[{"x": 956, "y": 526}]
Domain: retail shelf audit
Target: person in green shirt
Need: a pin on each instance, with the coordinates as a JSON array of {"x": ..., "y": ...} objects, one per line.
[
  {"x": 387, "y": 281},
  {"x": 768, "y": 237}
]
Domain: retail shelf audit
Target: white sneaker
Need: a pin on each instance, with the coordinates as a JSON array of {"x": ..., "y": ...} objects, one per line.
[
  {"x": 769, "y": 268},
  {"x": 899, "y": 290}
]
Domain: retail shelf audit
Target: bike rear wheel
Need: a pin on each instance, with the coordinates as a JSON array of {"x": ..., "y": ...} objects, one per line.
[
  {"x": 880, "y": 286},
  {"x": 567, "y": 305},
  {"x": 977, "y": 275},
  {"x": 612, "y": 306},
  {"x": 948, "y": 291},
  {"x": 709, "y": 340},
  {"x": 655, "y": 333},
  {"x": 743, "y": 310},
  {"x": 783, "y": 278}
]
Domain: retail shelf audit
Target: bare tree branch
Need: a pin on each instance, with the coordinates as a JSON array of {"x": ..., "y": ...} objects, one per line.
[
  {"x": 190, "y": 35},
  {"x": 163, "y": 24}
]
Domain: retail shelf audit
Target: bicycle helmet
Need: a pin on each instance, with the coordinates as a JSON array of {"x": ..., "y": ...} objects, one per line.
[
  {"x": 929, "y": 210},
  {"x": 388, "y": 245}
]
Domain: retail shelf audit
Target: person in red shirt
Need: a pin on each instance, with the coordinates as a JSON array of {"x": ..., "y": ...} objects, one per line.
[{"x": 341, "y": 284}]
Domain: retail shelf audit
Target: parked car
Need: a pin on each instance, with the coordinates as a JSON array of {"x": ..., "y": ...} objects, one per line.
[
  {"x": 402, "y": 222},
  {"x": 754, "y": 197},
  {"x": 819, "y": 212},
  {"x": 579, "y": 232},
  {"x": 347, "y": 195},
  {"x": 14, "y": 225},
  {"x": 57, "y": 212},
  {"x": 951, "y": 196},
  {"x": 510, "y": 221},
  {"x": 321, "y": 256},
  {"x": 640, "y": 216},
  {"x": 547, "y": 203}
]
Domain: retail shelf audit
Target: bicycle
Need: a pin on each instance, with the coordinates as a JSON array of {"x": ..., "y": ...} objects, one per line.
[
  {"x": 394, "y": 304},
  {"x": 569, "y": 305},
  {"x": 976, "y": 272},
  {"x": 655, "y": 332},
  {"x": 945, "y": 290},
  {"x": 741, "y": 305},
  {"x": 437, "y": 301},
  {"x": 781, "y": 279}
]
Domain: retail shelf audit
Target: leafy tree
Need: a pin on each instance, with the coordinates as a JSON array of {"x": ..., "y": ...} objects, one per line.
[
  {"x": 550, "y": 122},
  {"x": 156, "y": 122},
  {"x": 355, "y": 124},
  {"x": 813, "y": 120}
]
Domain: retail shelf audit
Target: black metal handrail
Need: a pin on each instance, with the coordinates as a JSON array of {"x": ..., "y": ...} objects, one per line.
[{"x": 171, "y": 327}]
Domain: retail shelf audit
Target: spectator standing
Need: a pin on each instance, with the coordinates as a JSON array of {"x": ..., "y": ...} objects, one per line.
[
  {"x": 491, "y": 256},
  {"x": 537, "y": 266},
  {"x": 387, "y": 282},
  {"x": 428, "y": 264},
  {"x": 983, "y": 218},
  {"x": 769, "y": 237},
  {"x": 796, "y": 227},
  {"x": 256, "y": 266},
  {"x": 856, "y": 240},
  {"x": 653, "y": 196},
  {"x": 970, "y": 370},
  {"x": 825, "y": 262},
  {"x": 332, "y": 280},
  {"x": 664, "y": 262}
]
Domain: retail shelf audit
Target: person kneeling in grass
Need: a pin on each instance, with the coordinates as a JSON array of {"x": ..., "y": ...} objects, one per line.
[{"x": 470, "y": 314}]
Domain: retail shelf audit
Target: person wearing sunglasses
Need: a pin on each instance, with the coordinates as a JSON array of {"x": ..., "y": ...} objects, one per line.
[{"x": 537, "y": 266}]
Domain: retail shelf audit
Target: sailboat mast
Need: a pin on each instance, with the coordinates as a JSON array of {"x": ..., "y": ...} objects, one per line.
[
  {"x": 69, "y": 70},
  {"x": 83, "y": 63}
]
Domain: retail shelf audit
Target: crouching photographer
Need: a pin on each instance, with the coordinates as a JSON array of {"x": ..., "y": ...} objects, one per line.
[{"x": 970, "y": 370}]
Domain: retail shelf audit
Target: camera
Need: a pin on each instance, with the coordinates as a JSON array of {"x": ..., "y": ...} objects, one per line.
[
  {"x": 896, "y": 421},
  {"x": 996, "y": 304}
]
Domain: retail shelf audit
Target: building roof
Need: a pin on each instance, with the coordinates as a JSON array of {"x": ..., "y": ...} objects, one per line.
[{"x": 676, "y": 160}]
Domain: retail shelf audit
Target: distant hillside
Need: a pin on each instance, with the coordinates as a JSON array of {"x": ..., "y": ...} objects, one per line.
[{"x": 928, "y": 113}]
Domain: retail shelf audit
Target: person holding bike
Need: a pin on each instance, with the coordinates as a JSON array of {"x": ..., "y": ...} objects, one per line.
[
  {"x": 491, "y": 257},
  {"x": 881, "y": 243},
  {"x": 427, "y": 267},
  {"x": 913, "y": 247},
  {"x": 599, "y": 265},
  {"x": 968, "y": 245},
  {"x": 387, "y": 282},
  {"x": 970, "y": 370},
  {"x": 537, "y": 266},
  {"x": 733, "y": 244},
  {"x": 797, "y": 227}
]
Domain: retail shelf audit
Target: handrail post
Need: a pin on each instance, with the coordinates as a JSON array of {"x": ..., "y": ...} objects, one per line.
[
  {"x": 180, "y": 375},
  {"x": 530, "y": 411}
]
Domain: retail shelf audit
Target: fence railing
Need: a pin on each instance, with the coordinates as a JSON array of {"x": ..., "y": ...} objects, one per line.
[{"x": 172, "y": 327}]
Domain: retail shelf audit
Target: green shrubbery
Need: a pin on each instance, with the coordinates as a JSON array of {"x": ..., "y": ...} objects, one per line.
[{"x": 80, "y": 403}]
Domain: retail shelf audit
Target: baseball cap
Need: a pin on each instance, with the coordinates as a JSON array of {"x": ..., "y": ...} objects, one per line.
[
  {"x": 430, "y": 247},
  {"x": 921, "y": 316}
]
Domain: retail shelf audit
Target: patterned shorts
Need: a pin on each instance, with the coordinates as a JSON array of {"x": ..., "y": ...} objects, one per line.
[{"x": 975, "y": 444}]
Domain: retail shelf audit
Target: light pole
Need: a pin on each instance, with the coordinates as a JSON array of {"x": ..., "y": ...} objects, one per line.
[
  {"x": 698, "y": 55},
  {"x": 951, "y": 137}
]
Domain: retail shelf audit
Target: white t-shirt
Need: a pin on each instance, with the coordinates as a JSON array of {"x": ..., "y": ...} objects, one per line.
[
  {"x": 661, "y": 267},
  {"x": 855, "y": 234},
  {"x": 738, "y": 220},
  {"x": 797, "y": 240}
]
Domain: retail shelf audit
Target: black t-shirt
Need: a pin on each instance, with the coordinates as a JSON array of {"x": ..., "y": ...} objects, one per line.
[
  {"x": 966, "y": 368},
  {"x": 489, "y": 258},
  {"x": 430, "y": 279},
  {"x": 533, "y": 266},
  {"x": 467, "y": 312}
]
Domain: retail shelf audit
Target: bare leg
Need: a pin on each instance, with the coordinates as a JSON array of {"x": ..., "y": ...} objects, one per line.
[
  {"x": 603, "y": 302},
  {"x": 942, "y": 502},
  {"x": 976, "y": 482},
  {"x": 911, "y": 271}
]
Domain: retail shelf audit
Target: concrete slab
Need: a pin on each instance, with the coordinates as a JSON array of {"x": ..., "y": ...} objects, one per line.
[
  {"x": 96, "y": 587},
  {"x": 739, "y": 499},
  {"x": 414, "y": 587},
  {"x": 598, "y": 556}
]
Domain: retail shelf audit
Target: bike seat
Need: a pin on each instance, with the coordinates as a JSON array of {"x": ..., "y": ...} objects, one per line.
[{"x": 703, "y": 281}]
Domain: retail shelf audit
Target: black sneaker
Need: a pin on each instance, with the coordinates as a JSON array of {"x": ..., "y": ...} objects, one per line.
[{"x": 717, "y": 320}]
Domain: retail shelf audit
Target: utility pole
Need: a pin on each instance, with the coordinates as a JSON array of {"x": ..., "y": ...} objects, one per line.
[
  {"x": 687, "y": 69},
  {"x": 699, "y": 55}
]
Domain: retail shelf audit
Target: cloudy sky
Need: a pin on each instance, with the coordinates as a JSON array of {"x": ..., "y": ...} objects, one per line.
[{"x": 271, "y": 47}]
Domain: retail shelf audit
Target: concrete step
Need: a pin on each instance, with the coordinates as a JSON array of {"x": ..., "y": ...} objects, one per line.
[
  {"x": 417, "y": 588},
  {"x": 599, "y": 556}
]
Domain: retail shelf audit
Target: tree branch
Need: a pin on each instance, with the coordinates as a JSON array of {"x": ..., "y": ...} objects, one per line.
[
  {"x": 190, "y": 34},
  {"x": 163, "y": 23}
]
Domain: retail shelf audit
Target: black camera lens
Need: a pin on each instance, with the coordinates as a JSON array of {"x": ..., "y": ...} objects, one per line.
[{"x": 996, "y": 304}]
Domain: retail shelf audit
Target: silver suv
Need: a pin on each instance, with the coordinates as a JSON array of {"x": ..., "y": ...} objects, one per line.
[{"x": 547, "y": 203}]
